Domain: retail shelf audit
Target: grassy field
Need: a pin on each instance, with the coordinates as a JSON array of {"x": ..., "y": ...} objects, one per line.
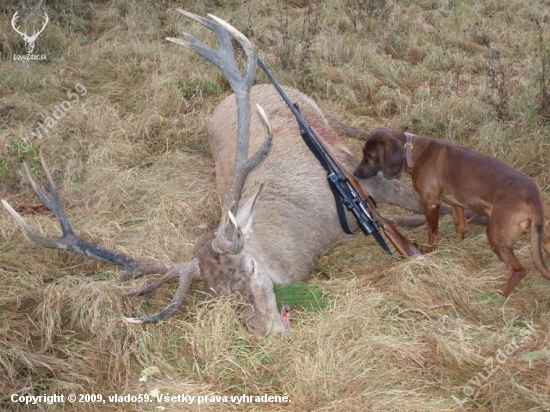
[{"x": 135, "y": 173}]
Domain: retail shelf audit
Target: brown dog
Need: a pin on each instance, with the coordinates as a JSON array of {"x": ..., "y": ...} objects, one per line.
[{"x": 465, "y": 179}]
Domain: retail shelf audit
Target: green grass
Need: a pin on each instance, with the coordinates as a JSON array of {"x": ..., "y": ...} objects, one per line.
[{"x": 300, "y": 294}]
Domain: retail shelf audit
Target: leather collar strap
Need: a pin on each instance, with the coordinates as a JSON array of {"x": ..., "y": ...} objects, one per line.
[{"x": 408, "y": 149}]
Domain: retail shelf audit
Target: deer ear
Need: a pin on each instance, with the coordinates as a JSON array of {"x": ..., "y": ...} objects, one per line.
[
  {"x": 393, "y": 158},
  {"x": 245, "y": 214}
]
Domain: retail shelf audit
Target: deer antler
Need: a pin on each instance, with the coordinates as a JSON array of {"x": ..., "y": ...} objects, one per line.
[
  {"x": 133, "y": 268},
  {"x": 14, "y": 22},
  {"x": 36, "y": 33},
  {"x": 25, "y": 35},
  {"x": 29, "y": 40},
  {"x": 229, "y": 239}
]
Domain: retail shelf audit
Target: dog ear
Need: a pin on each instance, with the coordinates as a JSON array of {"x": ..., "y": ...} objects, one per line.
[{"x": 393, "y": 157}]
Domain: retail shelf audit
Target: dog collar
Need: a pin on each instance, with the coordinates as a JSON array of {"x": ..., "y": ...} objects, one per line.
[{"x": 408, "y": 149}]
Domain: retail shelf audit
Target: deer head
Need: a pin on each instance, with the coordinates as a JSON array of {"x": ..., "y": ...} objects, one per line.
[
  {"x": 29, "y": 40},
  {"x": 223, "y": 262}
]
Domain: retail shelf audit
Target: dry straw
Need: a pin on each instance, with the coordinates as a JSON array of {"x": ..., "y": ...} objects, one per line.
[{"x": 135, "y": 173}]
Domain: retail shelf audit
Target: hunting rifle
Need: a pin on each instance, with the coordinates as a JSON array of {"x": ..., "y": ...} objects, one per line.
[{"x": 346, "y": 186}]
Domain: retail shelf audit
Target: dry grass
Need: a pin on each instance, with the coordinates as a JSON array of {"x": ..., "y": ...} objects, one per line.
[{"x": 135, "y": 173}]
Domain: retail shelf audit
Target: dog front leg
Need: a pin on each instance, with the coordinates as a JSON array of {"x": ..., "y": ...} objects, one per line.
[
  {"x": 431, "y": 210},
  {"x": 460, "y": 221}
]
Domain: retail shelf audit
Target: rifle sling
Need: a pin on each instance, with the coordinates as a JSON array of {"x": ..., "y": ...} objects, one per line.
[{"x": 337, "y": 199}]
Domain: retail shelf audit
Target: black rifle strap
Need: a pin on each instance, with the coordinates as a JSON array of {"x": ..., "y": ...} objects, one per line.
[{"x": 339, "y": 203}]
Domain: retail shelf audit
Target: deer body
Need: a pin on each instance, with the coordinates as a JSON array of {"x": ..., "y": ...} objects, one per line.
[{"x": 295, "y": 220}]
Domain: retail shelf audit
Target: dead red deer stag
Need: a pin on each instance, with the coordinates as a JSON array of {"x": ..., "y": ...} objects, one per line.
[{"x": 278, "y": 212}]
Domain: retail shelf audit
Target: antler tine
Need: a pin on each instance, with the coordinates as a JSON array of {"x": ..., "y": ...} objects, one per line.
[
  {"x": 53, "y": 204},
  {"x": 229, "y": 237},
  {"x": 239, "y": 175},
  {"x": 155, "y": 285},
  {"x": 223, "y": 58},
  {"x": 266, "y": 145},
  {"x": 245, "y": 44},
  {"x": 29, "y": 234},
  {"x": 187, "y": 272},
  {"x": 37, "y": 32},
  {"x": 46, "y": 20},
  {"x": 14, "y": 21}
]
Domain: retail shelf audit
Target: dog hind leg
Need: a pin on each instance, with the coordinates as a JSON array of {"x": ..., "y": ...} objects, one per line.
[
  {"x": 545, "y": 235},
  {"x": 501, "y": 236}
]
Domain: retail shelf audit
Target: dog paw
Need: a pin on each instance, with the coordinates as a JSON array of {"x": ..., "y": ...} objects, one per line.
[{"x": 426, "y": 248}]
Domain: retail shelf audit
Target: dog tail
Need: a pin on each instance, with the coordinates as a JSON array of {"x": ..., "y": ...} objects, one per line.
[{"x": 537, "y": 222}]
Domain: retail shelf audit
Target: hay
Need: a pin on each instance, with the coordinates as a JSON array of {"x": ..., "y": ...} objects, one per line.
[{"x": 135, "y": 174}]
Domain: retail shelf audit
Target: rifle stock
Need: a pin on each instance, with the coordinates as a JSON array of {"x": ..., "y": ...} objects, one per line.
[{"x": 401, "y": 243}]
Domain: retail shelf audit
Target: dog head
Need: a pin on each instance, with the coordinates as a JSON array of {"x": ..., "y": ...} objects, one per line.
[{"x": 382, "y": 150}]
